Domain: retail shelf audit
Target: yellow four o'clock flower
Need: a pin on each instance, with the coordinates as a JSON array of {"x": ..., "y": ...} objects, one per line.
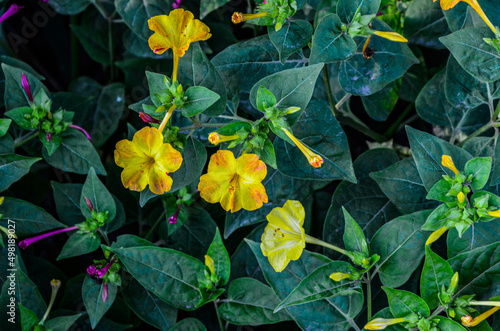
[
  {"x": 216, "y": 138},
  {"x": 235, "y": 183},
  {"x": 314, "y": 159},
  {"x": 448, "y": 4},
  {"x": 495, "y": 213},
  {"x": 447, "y": 162},
  {"x": 382, "y": 323},
  {"x": 177, "y": 31},
  {"x": 284, "y": 237},
  {"x": 147, "y": 160},
  {"x": 468, "y": 321},
  {"x": 392, "y": 36}
]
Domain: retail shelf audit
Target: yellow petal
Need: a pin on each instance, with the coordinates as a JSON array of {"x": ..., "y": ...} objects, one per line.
[
  {"x": 127, "y": 153},
  {"x": 393, "y": 36},
  {"x": 448, "y": 4},
  {"x": 251, "y": 196},
  {"x": 158, "y": 43},
  {"x": 135, "y": 177},
  {"x": 295, "y": 211},
  {"x": 168, "y": 158},
  {"x": 149, "y": 140},
  {"x": 222, "y": 163},
  {"x": 250, "y": 168},
  {"x": 447, "y": 162},
  {"x": 212, "y": 186},
  {"x": 436, "y": 235},
  {"x": 495, "y": 213},
  {"x": 230, "y": 199},
  {"x": 159, "y": 181}
]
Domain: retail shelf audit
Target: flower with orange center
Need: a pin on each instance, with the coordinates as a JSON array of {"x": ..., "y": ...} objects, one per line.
[
  {"x": 177, "y": 31},
  {"x": 235, "y": 183},
  {"x": 147, "y": 160},
  {"x": 448, "y": 4}
]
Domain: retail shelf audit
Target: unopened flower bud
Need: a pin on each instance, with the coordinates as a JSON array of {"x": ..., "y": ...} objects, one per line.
[
  {"x": 89, "y": 204},
  {"x": 338, "y": 276},
  {"x": 209, "y": 262},
  {"x": 447, "y": 162},
  {"x": 148, "y": 118},
  {"x": 461, "y": 197},
  {"x": 435, "y": 235}
]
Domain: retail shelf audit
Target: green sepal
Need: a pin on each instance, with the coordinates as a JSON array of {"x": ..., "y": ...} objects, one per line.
[
  {"x": 437, "y": 219},
  {"x": 51, "y": 145},
  {"x": 265, "y": 99},
  {"x": 440, "y": 191}
]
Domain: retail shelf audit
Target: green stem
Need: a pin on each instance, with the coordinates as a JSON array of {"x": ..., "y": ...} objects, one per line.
[
  {"x": 75, "y": 51},
  {"x": 24, "y": 139},
  {"x": 218, "y": 316},
  {"x": 105, "y": 236},
  {"x": 331, "y": 100},
  {"x": 496, "y": 113},
  {"x": 155, "y": 225},
  {"x": 312, "y": 240},
  {"x": 369, "y": 295},
  {"x": 362, "y": 128},
  {"x": 202, "y": 125},
  {"x": 111, "y": 50},
  {"x": 100, "y": 8},
  {"x": 485, "y": 303},
  {"x": 236, "y": 118},
  {"x": 482, "y": 129},
  {"x": 396, "y": 125}
]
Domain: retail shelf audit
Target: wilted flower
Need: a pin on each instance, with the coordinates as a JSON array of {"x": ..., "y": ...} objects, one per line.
[
  {"x": 392, "y": 36},
  {"x": 216, "y": 138},
  {"x": 314, "y": 159},
  {"x": 26, "y": 242},
  {"x": 13, "y": 9},
  {"x": 468, "y": 321},
  {"x": 448, "y": 4}
]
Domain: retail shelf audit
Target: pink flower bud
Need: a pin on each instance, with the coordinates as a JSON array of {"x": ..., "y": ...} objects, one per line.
[
  {"x": 13, "y": 9},
  {"x": 26, "y": 86},
  {"x": 89, "y": 204},
  {"x": 148, "y": 118}
]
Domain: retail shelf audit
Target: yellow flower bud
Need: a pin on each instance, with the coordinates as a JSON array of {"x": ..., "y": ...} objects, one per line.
[
  {"x": 494, "y": 213},
  {"x": 382, "y": 323},
  {"x": 454, "y": 280},
  {"x": 393, "y": 36},
  {"x": 435, "y": 235},
  {"x": 237, "y": 17},
  {"x": 1, "y": 200},
  {"x": 216, "y": 138},
  {"x": 314, "y": 159},
  {"x": 447, "y": 162},
  {"x": 461, "y": 197},
  {"x": 468, "y": 321},
  {"x": 338, "y": 276},
  {"x": 209, "y": 262}
]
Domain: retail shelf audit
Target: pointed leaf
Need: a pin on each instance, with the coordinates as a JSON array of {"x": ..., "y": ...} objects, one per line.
[
  {"x": 219, "y": 254},
  {"x": 92, "y": 299},
  {"x": 13, "y": 167},
  {"x": 436, "y": 273}
]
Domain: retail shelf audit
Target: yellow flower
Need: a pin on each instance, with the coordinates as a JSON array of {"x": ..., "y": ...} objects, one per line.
[
  {"x": 468, "y": 321},
  {"x": 314, "y": 159},
  {"x": 435, "y": 235},
  {"x": 216, "y": 138},
  {"x": 382, "y": 323},
  {"x": 447, "y": 162},
  {"x": 338, "y": 276},
  {"x": 284, "y": 237},
  {"x": 235, "y": 183},
  {"x": 448, "y": 4},
  {"x": 209, "y": 262},
  {"x": 393, "y": 36},
  {"x": 495, "y": 213},
  {"x": 1, "y": 200},
  {"x": 237, "y": 17},
  {"x": 177, "y": 31},
  {"x": 461, "y": 197},
  {"x": 147, "y": 160}
]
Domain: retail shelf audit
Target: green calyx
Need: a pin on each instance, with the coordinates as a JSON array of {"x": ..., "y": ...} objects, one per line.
[
  {"x": 172, "y": 95},
  {"x": 278, "y": 11}
]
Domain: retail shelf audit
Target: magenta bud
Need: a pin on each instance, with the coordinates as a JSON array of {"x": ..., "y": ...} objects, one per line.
[
  {"x": 173, "y": 219},
  {"x": 176, "y": 4},
  {"x": 105, "y": 292},
  {"x": 92, "y": 271},
  {"x": 148, "y": 118},
  {"x": 89, "y": 204},
  {"x": 13, "y": 9},
  {"x": 48, "y": 136},
  {"x": 26, "y": 86}
]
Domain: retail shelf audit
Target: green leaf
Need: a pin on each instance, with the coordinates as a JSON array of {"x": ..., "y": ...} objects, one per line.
[
  {"x": 199, "y": 98},
  {"x": 14, "y": 94},
  {"x": 477, "y": 57},
  {"x": 354, "y": 239},
  {"x": 346, "y": 9},
  {"x": 243, "y": 64},
  {"x": 436, "y": 273},
  {"x": 4, "y": 126},
  {"x": 18, "y": 116},
  {"x": 219, "y": 254},
  {"x": 265, "y": 99},
  {"x": 330, "y": 314},
  {"x": 292, "y": 88},
  {"x": 129, "y": 240},
  {"x": 446, "y": 324},
  {"x": 79, "y": 244},
  {"x": 69, "y": 7},
  {"x": 400, "y": 244},
  {"x": 94, "y": 41},
  {"x": 425, "y": 23},
  {"x": 477, "y": 235},
  {"x": 28, "y": 318},
  {"x": 26, "y": 292},
  {"x": 360, "y": 76},
  {"x": 427, "y": 152},
  {"x": 67, "y": 199},
  {"x": 99, "y": 196},
  {"x": 148, "y": 306},
  {"x": 136, "y": 13},
  {"x": 328, "y": 141},
  {"x": 379, "y": 105},
  {"x": 194, "y": 158},
  {"x": 495, "y": 174},
  {"x": 250, "y": 302},
  {"x": 478, "y": 270},
  {"x": 175, "y": 282},
  {"x": 403, "y": 303},
  {"x": 401, "y": 183},
  {"x": 292, "y": 37},
  {"x": 206, "y": 7},
  {"x": 7, "y": 144},
  {"x": 92, "y": 299},
  {"x": 364, "y": 201},
  {"x": 76, "y": 154},
  {"x": 195, "y": 69},
  {"x": 14, "y": 167},
  {"x": 29, "y": 219},
  {"x": 330, "y": 43},
  {"x": 318, "y": 285},
  {"x": 191, "y": 324},
  {"x": 479, "y": 168},
  {"x": 268, "y": 155},
  {"x": 62, "y": 323}
]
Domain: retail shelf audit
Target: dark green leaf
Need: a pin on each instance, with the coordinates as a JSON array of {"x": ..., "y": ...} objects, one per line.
[
  {"x": 250, "y": 302},
  {"x": 400, "y": 244},
  {"x": 69, "y": 7},
  {"x": 29, "y": 219},
  {"x": 171, "y": 275},
  {"x": 194, "y": 158},
  {"x": 403, "y": 303},
  {"x": 477, "y": 57},
  {"x": 219, "y": 254},
  {"x": 13, "y": 167},
  {"x": 76, "y": 154},
  {"x": 477, "y": 235},
  {"x": 328, "y": 141},
  {"x": 7, "y": 144},
  {"x": 379, "y": 105},
  {"x": 92, "y": 299},
  {"x": 427, "y": 152},
  {"x": 95, "y": 42},
  {"x": 199, "y": 98},
  {"x": 346, "y": 9},
  {"x": 360, "y": 76},
  {"x": 479, "y": 168},
  {"x": 14, "y": 95},
  {"x": 99, "y": 196},
  {"x": 62, "y": 323},
  {"x": 425, "y": 23},
  {"x": 4, "y": 126},
  {"x": 129, "y": 240},
  {"x": 446, "y": 324},
  {"x": 79, "y": 244},
  {"x": 28, "y": 318},
  {"x": 330, "y": 43},
  {"x": 354, "y": 239},
  {"x": 67, "y": 199},
  {"x": 436, "y": 273},
  {"x": 243, "y": 261},
  {"x": 189, "y": 324},
  {"x": 26, "y": 292},
  {"x": 148, "y": 306},
  {"x": 206, "y": 7},
  {"x": 292, "y": 37}
]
